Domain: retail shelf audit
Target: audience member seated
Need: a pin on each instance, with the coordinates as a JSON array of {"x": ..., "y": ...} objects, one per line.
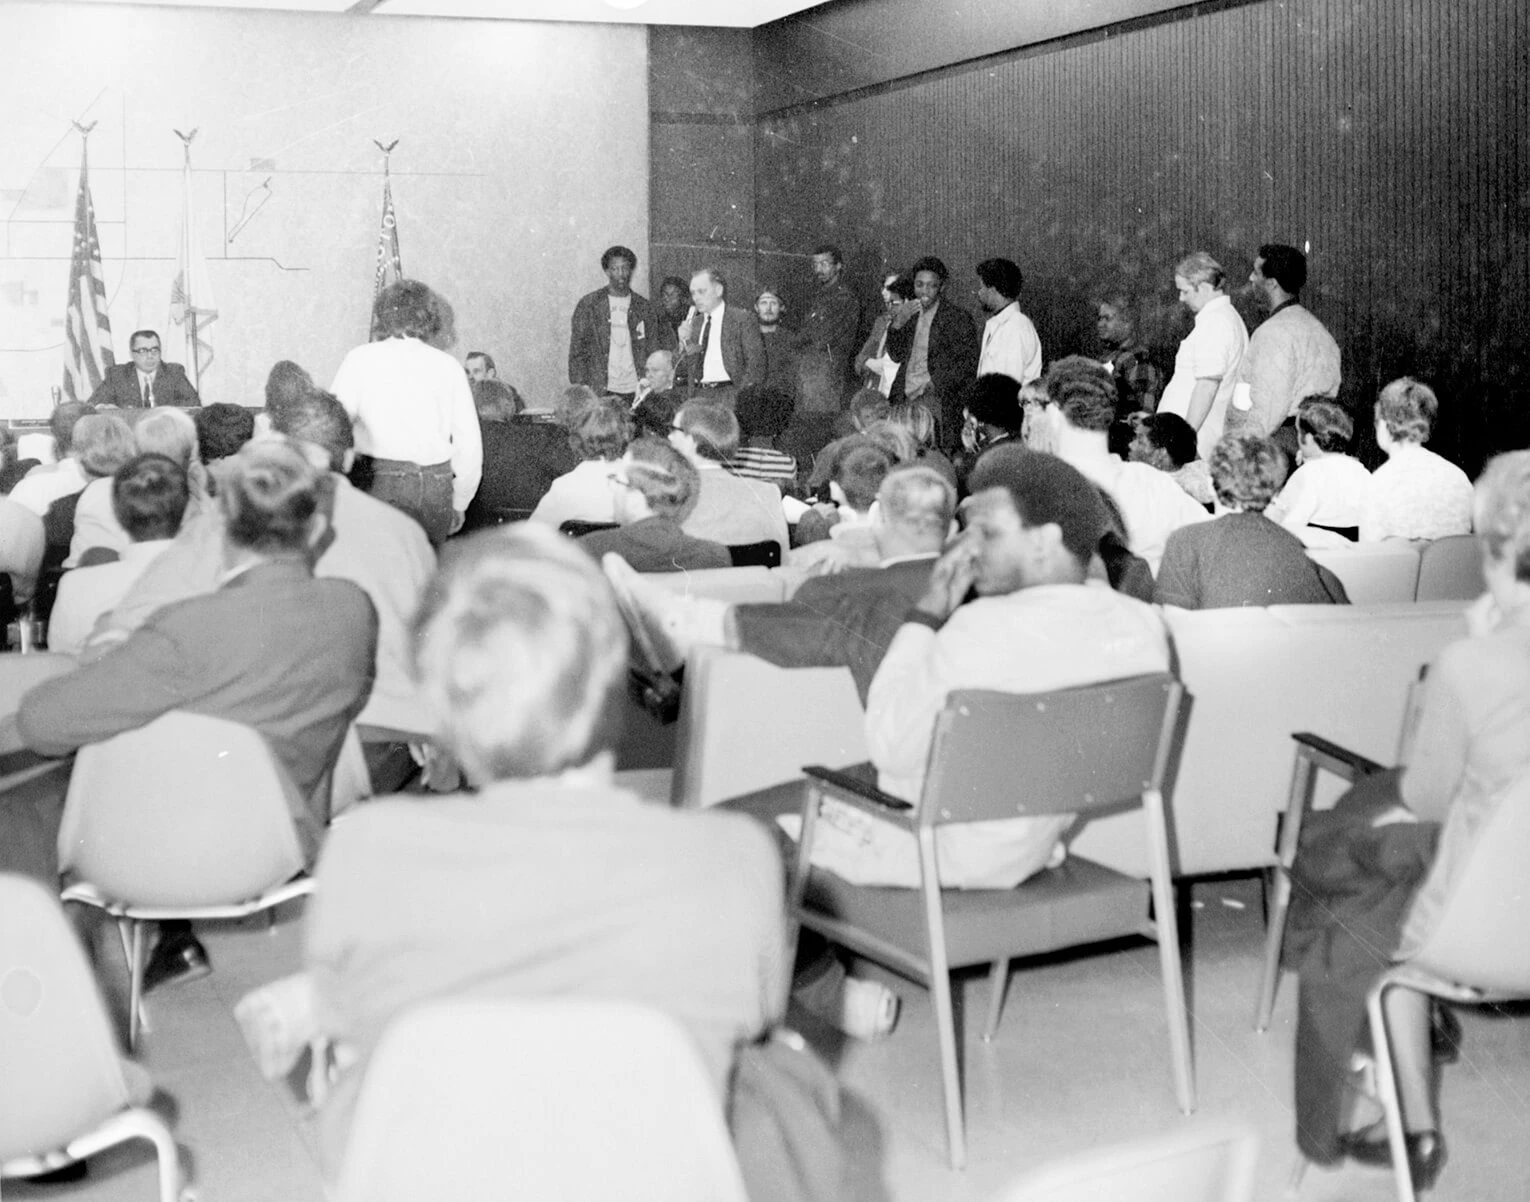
[
  {"x": 45, "y": 484},
  {"x": 12, "y": 468},
  {"x": 149, "y": 497},
  {"x": 1167, "y": 441},
  {"x": 656, "y": 489},
  {"x": 167, "y": 431},
  {"x": 598, "y": 437},
  {"x": 501, "y": 488},
  {"x": 1081, "y": 404},
  {"x": 763, "y": 416},
  {"x": 991, "y": 414},
  {"x": 844, "y": 619},
  {"x": 1243, "y": 558},
  {"x": 374, "y": 545},
  {"x": 548, "y": 881},
  {"x": 1415, "y": 493},
  {"x": 287, "y": 381},
  {"x": 1324, "y": 500},
  {"x": 1036, "y": 432},
  {"x": 730, "y": 510},
  {"x": 1033, "y": 526},
  {"x": 920, "y": 424},
  {"x": 22, "y": 544},
  {"x": 103, "y": 442},
  {"x": 838, "y": 534},
  {"x": 1373, "y": 873},
  {"x": 657, "y": 400},
  {"x": 222, "y": 429},
  {"x": 272, "y": 648}
]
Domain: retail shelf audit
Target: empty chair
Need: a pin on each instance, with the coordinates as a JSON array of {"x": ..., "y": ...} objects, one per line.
[
  {"x": 995, "y": 755},
  {"x": 557, "y": 1100},
  {"x": 67, "y": 1093},
  {"x": 1450, "y": 569},
  {"x": 1209, "y": 1164},
  {"x": 1477, "y": 952},
  {"x": 188, "y": 817}
]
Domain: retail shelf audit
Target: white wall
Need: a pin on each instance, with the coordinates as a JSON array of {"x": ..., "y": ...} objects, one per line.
[{"x": 522, "y": 154}]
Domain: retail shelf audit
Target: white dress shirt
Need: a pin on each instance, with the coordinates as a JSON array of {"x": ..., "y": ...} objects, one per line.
[
  {"x": 1212, "y": 350},
  {"x": 1010, "y": 346}
]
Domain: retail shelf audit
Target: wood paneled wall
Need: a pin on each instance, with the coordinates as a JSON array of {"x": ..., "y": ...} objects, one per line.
[{"x": 1389, "y": 137}]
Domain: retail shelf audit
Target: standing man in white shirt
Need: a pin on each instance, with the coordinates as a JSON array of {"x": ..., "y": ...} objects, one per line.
[
  {"x": 1010, "y": 346},
  {"x": 614, "y": 330},
  {"x": 1290, "y": 355},
  {"x": 413, "y": 412},
  {"x": 723, "y": 348},
  {"x": 1206, "y": 365}
]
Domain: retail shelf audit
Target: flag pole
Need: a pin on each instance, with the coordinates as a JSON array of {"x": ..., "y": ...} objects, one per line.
[
  {"x": 87, "y": 340},
  {"x": 190, "y": 310},
  {"x": 387, "y": 235}
]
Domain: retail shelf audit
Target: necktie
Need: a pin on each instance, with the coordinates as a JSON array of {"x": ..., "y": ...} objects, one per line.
[
  {"x": 148, "y": 392},
  {"x": 706, "y": 336}
]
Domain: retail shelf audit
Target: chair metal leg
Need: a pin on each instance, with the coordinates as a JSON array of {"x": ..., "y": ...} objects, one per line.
[
  {"x": 1170, "y": 964},
  {"x": 1386, "y": 1083},
  {"x": 135, "y": 986},
  {"x": 998, "y": 978},
  {"x": 940, "y": 990},
  {"x": 1298, "y": 802},
  {"x": 797, "y": 886}
]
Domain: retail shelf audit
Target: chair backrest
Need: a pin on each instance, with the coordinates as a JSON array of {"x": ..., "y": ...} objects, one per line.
[
  {"x": 62, "y": 1074},
  {"x": 186, "y": 811},
  {"x": 1196, "y": 1164},
  {"x": 1482, "y": 935},
  {"x": 561, "y": 1101},
  {"x": 575, "y": 528},
  {"x": 1001, "y": 755},
  {"x": 1450, "y": 569},
  {"x": 1372, "y": 572}
]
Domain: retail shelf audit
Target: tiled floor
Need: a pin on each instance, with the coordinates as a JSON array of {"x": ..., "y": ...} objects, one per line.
[{"x": 1080, "y": 1060}]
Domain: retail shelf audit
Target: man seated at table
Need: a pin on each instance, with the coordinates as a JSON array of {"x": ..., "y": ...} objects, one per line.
[
  {"x": 550, "y": 881},
  {"x": 272, "y": 647}
]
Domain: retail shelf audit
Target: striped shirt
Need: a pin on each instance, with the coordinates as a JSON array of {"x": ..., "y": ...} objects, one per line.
[{"x": 763, "y": 463}]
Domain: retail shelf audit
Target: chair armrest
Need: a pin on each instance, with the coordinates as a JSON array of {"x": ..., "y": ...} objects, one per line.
[
  {"x": 856, "y": 787},
  {"x": 1342, "y": 762}
]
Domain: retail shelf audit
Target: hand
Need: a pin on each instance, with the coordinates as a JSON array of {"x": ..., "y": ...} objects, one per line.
[
  {"x": 970, "y": 436},
  {"x": 951, "y": 580},
  {"x": 902, "y": 313}
]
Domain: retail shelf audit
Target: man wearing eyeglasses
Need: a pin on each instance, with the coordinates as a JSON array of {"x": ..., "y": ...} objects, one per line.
[{"x": 147, "y": 381}]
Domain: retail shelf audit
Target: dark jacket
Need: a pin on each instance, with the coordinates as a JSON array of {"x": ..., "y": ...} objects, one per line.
[
  {"x": 657, "y": 545},
  {"x": 589, "y": 344},
  {"x": 743, "y": 349},
  {"x": 120, "y": 388},
  {"x": 521, "y": 459},
  {"x": 952, "y": 354}
]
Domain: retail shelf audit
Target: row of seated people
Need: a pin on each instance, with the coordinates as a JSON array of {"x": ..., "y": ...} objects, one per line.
[{"x": 1035, "y": 525}]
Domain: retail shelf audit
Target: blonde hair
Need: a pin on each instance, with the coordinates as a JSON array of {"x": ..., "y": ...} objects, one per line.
[
  {"x": 521, "y": 654},
  {"x": 1501, "y": 510}
]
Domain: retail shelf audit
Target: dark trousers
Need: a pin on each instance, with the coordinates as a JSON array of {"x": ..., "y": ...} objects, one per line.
[{"x": 423, "y": 491}]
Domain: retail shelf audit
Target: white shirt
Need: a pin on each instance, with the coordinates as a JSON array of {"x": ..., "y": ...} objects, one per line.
[
  {"x": 1010, "y": 346},
  {"x": 1414, "y": 494},
  {"x": 1152, "y": 502},
  {"x": 1030, "y": 641},
  {"x": 1212, "y": 350},
  {"x": 46, "y": 484},
  {"x": 95, "y": 523},
  {"x": 412, "y": 403},
  {"x": 86, "y": 593},
  {"x": 712, "y": 369},
  {"x": 584, "y": 494},
  {"x": 1329, "y": 491},
  {"x": 621, "y": 374}
]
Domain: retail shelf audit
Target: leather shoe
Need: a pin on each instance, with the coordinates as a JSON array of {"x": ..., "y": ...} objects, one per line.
[
  {"x": 174, "y": 961},
  {"x": 1426, "y": 1152}
]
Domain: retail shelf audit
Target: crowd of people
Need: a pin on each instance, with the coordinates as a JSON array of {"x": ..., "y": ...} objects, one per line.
[{"x": 966, "y": 512}]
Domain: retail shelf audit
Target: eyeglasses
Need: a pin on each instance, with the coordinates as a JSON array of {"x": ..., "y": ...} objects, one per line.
[{"x": 145, "y": 350}]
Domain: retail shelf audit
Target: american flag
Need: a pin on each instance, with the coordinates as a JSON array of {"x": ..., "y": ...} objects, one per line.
[
  {"x": 389, "y": 269},
  {"x": 87, "y": 329}
]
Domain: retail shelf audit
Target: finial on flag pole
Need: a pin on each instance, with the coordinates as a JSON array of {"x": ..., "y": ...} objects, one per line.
[{"x": 84, "y": 129}]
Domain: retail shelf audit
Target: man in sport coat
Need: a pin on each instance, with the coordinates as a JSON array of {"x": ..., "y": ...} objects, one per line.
[
  {"x": 936, "y": 345},
  {"x": 723, "y": 348},
  {"x": 636, "y": 327},
  {"x": 146, "y": 381}
]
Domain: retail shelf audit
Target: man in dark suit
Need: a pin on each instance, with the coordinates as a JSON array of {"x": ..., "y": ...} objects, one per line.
[
  {"x": 848, "y": 618},
  {"x": 272, "y": 648},
  {"x": 615, "y": 312},
  {"x": 146, "y": 381},
  {"x": 723, "y": 349},
  {"x": 936, "y": 345}
]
